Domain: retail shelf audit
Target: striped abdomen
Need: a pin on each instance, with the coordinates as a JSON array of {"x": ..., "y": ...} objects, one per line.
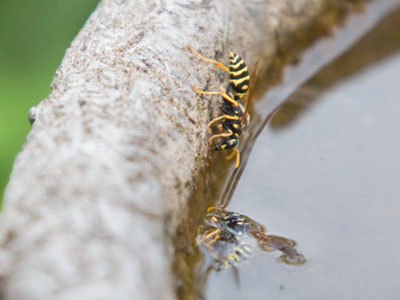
[
  {"x": 240, "y": 252},
  {"x": 239, "y": 77}
]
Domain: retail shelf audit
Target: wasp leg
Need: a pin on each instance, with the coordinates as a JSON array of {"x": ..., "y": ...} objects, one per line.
[
  {"x": 211, "y": 208},
  {"x": 236, "y": 276},
  {"x": 230, "y": 156},
  {"x": 206, "y": 59},
  {"x": 221, "y": 135},
  {"x": 214, "y": 234},
  {"x": 214, "y": 221},
  {"x": 222, "y": 117},
  {"x": 216, "y": 238},
  {"x": 208, "y": 235},
  {"x": 221, "y": 93}
]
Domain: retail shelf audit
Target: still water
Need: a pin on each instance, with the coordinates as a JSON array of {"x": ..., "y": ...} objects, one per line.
[{"x": 325, "y": 173}]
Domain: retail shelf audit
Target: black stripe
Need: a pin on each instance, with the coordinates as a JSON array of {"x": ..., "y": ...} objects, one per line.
[
  {"x": 241, "y": 66},
  {"x": 230, "y": 143},
  {"x": 239, "y": 76},
  {"x": 239, "y": 88},
  {"x": 235, "y": 61}
]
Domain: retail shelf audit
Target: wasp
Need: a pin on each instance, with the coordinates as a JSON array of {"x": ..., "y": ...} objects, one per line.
[
  {"x": 229, "y": 238},
  {"x": 223, "y": 236},
  {"x": 235, "y": 116}
]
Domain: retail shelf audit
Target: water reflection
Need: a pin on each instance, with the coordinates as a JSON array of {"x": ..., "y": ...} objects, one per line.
[
  {"x": 229, "y": 238},
  {"x": 381, "y": 42},
  {"x": 225, "y": 241},
  {"x": 332, "y": 183}
]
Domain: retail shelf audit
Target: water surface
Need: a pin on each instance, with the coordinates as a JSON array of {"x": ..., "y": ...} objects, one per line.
[{"x": 327, "y": 178}]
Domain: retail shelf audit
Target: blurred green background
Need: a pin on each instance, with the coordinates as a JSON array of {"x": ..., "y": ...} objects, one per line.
[{"x": 34, "y": 35}]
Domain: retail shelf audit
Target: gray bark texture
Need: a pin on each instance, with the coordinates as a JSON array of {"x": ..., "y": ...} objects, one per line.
[{"x": 109, "y": 165}]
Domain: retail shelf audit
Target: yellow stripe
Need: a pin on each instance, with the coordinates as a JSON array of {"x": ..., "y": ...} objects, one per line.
[
  {"x": 233, "y": 257},
  {"x": 237, "y": 65},
  {"x": 239, "y": 81},
  {"x": 247, "y": 248},
  {"x": 239, "y": 72},
  {"x": 241, "y": 95},
  {"x": 233, "y": 57},
  {"x": 239, "y": 250}
]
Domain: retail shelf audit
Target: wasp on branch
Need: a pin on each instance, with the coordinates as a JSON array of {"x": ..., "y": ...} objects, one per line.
[{"x": 235, "y": 116}]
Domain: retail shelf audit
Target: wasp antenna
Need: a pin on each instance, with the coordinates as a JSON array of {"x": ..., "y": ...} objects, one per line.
[{"x": 253, "y": 82}]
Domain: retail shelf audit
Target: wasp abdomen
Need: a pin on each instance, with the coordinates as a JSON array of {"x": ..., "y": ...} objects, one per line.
[
  {"x": 239, "y": 77},
  {"x": 227, "y": 143}
]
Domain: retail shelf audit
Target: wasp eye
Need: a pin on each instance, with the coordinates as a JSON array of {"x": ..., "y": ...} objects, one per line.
[{"x": 234, "y": 220}]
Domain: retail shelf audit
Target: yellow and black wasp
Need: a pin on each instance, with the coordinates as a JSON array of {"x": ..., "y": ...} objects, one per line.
[{"x": 235, "y": 117}]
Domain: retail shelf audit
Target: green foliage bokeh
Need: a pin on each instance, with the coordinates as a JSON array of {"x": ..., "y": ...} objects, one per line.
[{"x": 34, "y": 35}]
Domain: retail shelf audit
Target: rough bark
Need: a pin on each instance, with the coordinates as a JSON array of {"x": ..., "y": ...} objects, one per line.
[{"x": 108, "y": 166}]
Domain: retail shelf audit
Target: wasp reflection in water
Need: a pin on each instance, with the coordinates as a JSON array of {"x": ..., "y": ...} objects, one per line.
[{"x": 230, "y": 238}]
